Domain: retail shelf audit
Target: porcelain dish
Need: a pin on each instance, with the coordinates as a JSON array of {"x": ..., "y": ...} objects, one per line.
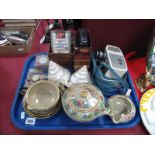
[
  {"x": 121, "y": 108},
  {"x": 85, "y": 102},
  {"x": 147, "y": 110},
  {"x": 42, "y": 99}
]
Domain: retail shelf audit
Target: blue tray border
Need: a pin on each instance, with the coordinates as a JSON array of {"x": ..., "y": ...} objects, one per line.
[{"x": 97, "y": 127}]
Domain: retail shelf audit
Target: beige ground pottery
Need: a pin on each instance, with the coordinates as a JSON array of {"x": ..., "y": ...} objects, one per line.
[{"x": 85, "y": 102}]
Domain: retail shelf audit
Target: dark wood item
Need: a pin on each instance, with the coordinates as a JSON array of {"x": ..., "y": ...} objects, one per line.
[{"x": 63, "y": 59}]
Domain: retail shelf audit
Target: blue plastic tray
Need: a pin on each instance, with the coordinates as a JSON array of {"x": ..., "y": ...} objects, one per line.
[{"x": 61, "y": 121}]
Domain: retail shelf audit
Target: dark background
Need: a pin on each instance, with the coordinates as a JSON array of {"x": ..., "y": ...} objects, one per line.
[{"x": 128, "y": 34}]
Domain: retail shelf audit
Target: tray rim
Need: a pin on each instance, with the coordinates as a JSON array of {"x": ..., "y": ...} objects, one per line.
[{"x": 19, "y": 125}]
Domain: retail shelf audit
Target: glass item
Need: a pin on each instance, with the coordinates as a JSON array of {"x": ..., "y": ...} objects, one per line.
[
  {"x": 151, "y": 57},
  {"x": 61, "y": 41},
  {"x": 34, "y": 75},
  {"x": 41, "y": 61},
  {"x": 143, "y": 82},
  {"x": 148, "y": 79}
]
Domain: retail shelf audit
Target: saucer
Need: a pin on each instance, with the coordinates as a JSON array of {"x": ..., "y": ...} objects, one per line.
[
  {"x": 147, "y": 110},
  {"x": 40, "y": 114}
]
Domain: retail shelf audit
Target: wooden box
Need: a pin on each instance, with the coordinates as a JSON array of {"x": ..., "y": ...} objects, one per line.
[{"x": 19, "y": 49}]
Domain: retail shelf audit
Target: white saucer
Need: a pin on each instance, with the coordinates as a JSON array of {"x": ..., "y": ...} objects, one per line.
[{"x": 147, "y": 110}]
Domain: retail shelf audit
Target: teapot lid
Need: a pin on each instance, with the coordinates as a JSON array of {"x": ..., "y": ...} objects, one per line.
[{"x": 83, "y": 97}]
